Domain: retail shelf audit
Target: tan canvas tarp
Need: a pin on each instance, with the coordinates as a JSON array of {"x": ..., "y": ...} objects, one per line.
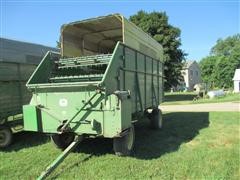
[{"x": 100, "y": 35}]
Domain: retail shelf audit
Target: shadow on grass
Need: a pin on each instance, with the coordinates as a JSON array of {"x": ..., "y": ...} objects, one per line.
[
  {"x": 25, "y": 139},
  {"x": 179, "y": 97},
  {"x": 178, "y": 128}
]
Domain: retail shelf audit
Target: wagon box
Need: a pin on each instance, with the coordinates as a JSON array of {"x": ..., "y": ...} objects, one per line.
[
  {"x": 13, "y": 94},
  {"x": 18, "y": 60},
  {"x": 108, "y": 72}
]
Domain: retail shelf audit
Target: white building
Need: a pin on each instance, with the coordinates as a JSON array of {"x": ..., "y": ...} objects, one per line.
[
  {"x": 236, "y": 80},
  {"x": 192, "y": 75}
]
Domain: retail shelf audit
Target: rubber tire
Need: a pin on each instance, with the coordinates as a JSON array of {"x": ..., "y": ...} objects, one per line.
[
  {"x": 123, "y": 146},
  {"x": 3, "y": 121},
  {"x": 62, "y": 141},
  {"x": 6, "y": 136},
  {"x": 156, "y": 119}
]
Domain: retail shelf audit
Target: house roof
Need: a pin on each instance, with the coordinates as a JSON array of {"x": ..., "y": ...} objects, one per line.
[
  {"x": 237, "y": 75},
  {"x": 188, "y": 64}
]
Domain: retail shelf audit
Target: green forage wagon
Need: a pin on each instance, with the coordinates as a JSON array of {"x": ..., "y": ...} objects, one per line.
[{"x": 109, "y": 71}]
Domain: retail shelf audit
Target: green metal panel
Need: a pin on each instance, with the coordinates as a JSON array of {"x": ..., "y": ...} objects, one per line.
[
  {"x": 44, "y": 69},
  {"x": 136, "y": 38},
  {"x": 122, "y": 72},
  {"x": 101, "y": 119},
  {"x": 30, "y": 118},
  {"x": 13, "y": 91},
  {"x": 10, "y": 71}
]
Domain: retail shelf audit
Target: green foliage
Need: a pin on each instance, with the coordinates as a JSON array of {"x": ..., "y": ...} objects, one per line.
[
  {"x": 218, "y": 68},
  {"x": 58, "y": 44},
  {"x": 207, "y": 66},
  {"x": 156, "y": 24},
  {"x": 225, "y": 47}
]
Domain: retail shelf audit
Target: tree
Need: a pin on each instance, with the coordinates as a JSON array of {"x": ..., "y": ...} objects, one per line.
[
  {"x": 58, "y": 43},
  {"x": 225, "y": 47},
  {"x": 219, "y": 67},
  {"x": 207, "y": 66},
  {"x": 156, "y": 24}
]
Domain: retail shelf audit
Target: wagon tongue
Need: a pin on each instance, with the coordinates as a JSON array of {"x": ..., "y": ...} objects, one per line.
[
  {"x": 80, "y": 69},
  {"x": 60, "y": 158}
]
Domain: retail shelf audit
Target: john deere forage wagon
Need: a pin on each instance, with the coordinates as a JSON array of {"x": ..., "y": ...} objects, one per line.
[{"x": 108, "y": 71}]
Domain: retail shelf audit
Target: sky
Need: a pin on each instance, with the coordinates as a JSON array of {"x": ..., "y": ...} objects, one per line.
[{"x": 202, "y": 22}]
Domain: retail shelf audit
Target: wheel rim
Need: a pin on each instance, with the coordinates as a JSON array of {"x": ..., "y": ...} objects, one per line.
[
  {"x": 2, "y": 121},
  {"x": 67, "y": 138},
  {"x": 130, "y": 139},
  {"x": 160, "y": 119},
  {"x": 3, "y": 137},
  {"x": 159, "y": 122}
]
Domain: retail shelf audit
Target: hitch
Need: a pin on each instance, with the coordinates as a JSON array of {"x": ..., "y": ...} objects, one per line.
[{"x": 60, "y": 158}]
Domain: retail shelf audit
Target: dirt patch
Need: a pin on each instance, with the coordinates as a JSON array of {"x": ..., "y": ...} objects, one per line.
[{"x": 206, "y": 107}]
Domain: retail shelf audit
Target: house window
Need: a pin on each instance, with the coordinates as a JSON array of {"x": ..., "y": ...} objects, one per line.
[
  {"x": 196, "y": 73},
  {"x": 191, "y": 72}
]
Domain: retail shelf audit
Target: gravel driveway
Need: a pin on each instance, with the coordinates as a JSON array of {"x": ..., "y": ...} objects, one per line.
[{"x": 210, "y": 107}]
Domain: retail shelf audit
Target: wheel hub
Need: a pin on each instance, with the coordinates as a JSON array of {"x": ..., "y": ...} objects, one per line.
[
  {"x": 3, "y": 137},
  {"x": 130, "y": 139}
]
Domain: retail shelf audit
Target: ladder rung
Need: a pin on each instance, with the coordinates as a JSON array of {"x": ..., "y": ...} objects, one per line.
[
  {"x": 83, "y": 59},
  {"x": 77, "y": 77},
  {"x": 81, "y": 65},
  {"x": 77, "y": 69}
]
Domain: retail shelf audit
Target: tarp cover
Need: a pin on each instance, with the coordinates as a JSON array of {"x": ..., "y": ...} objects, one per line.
[{"x": 100, "y": 35}]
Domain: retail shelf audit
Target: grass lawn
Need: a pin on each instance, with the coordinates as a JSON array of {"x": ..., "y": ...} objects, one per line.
[
  {"x": 187, "y": 98},
  {"x": 190, "y": 146}
]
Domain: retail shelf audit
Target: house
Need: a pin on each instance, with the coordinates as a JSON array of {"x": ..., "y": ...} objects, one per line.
[
  {"x": 236, "y": 80},
  {"x": 191, "y": 74}
]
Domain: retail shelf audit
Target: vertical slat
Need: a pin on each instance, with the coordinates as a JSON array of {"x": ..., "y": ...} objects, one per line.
[
  {"x": 152, "y": 82},
  {"x": 158, "y": 93},
  {"x": 19, "y": 86},
  {"x": 136, "y": 80},
  {"x": 162, "y": 81},
  {"x": 124, "y": 66},
  {"x": 145, "y": 83}
]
